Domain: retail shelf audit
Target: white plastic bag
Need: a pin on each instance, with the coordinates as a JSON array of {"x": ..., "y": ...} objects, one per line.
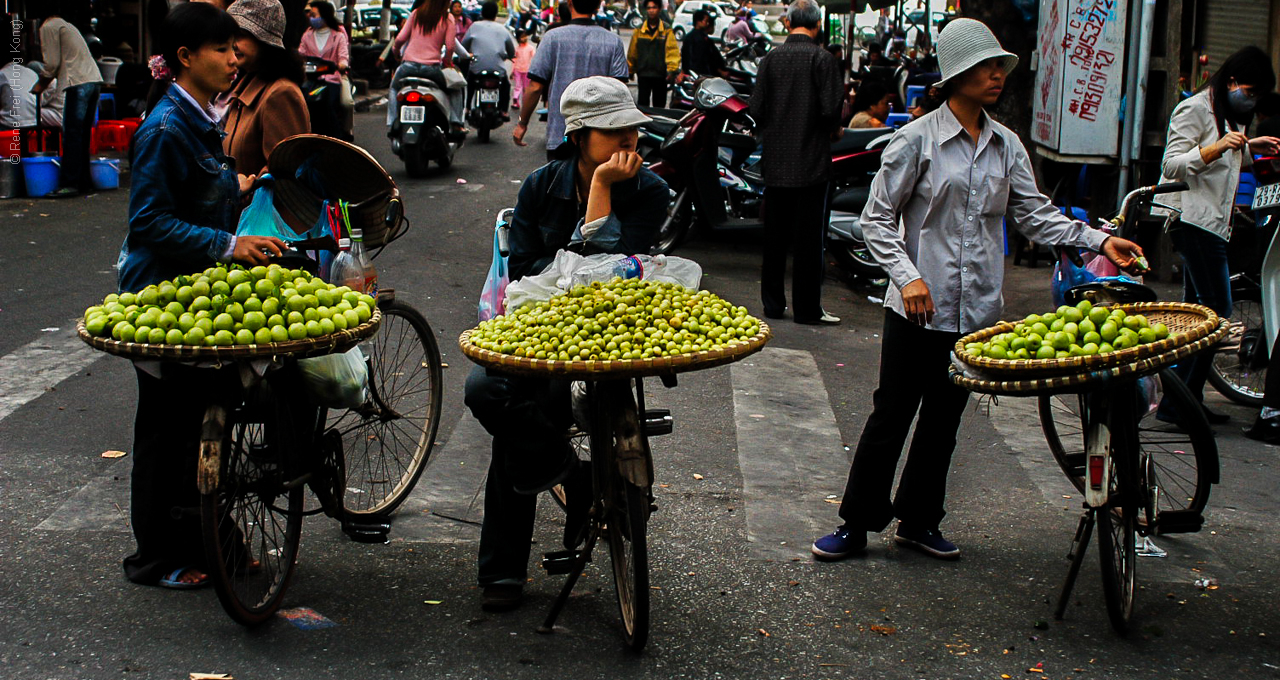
[
  {"x": 568, "y": 269},
  {"x": 336, "y": 380}
]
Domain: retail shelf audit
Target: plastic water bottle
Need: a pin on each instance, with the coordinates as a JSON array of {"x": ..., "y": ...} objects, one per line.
[
  {"x": 345, "y": 271},
  {"x": 369, "y": 275},
  {"x": 633, "y": 267}
]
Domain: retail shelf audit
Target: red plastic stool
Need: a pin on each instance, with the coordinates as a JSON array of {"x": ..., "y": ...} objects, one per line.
[
  {"x": 10, "y": 143},
  {"x": 44, "y": 140},
  {"x": 110, "y": 135}
]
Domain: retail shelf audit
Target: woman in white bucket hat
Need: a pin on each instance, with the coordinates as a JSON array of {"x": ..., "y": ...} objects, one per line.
[
  {"x": 950, "y": 179},
  {"x": 597, "y": 193}
]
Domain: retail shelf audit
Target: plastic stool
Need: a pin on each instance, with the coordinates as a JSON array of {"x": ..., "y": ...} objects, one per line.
[
  {"x": 111, "y": 135},
  {"x": 102, "y": 100}
]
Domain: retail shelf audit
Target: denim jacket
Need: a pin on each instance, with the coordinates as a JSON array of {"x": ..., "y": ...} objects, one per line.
[
  {"x": 548, "y": 214},
  {"x": 185, "y": 196}
]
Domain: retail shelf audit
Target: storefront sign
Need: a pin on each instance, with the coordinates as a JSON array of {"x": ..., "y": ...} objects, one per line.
[{"x": 1079, "y": 82}]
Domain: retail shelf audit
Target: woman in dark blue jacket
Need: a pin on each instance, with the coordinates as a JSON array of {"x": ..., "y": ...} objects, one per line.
[
  {"x": 603, "y": 198},
  {"x": 183, "y": 206}
]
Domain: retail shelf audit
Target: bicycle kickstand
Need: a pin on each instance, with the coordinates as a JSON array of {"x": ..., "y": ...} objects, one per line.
[
  {"x": 1079, "y": 545},
  {"x": 548, "y": 626}
]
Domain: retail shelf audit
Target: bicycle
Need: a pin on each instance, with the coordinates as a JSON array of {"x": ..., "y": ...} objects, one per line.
[
  {"x": 1135, "y": 483},
  {"x": 260, "y": 448}
]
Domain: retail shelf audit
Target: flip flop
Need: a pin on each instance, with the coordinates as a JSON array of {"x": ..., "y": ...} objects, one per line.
[{"x": 171, "y": 581}]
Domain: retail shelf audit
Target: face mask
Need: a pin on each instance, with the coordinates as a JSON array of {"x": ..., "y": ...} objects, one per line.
[
  {"x": 1241, "y": 102},
  {"x": 317, "y": 23}
]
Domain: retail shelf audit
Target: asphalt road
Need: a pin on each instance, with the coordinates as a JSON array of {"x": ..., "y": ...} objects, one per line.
[{"x": 743, "y": 486}]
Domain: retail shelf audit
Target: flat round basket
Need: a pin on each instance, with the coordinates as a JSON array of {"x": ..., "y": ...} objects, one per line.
[
  {"x": 338, "y": 341},
  {"x": 1187, "y": 324},
  {"x": 603, "y": 370},
  {"x": 1089, "y": 379}
]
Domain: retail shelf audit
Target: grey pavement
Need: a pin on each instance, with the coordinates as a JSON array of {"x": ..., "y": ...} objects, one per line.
[{"x": 745, "y": 482}]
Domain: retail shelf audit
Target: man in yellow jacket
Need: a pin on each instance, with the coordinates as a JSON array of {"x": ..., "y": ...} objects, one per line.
[{"x": 654, "y": 56}]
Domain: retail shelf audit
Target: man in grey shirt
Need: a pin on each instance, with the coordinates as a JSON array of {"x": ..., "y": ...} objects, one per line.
[
  {"x": 19, "y": 107},
  {"x": 491, "y": 45},
  {"x": 578, "y": 49},
  {"x": 67, "y": 58}
]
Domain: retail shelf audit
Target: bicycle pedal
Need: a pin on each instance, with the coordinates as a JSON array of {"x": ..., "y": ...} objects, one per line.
[
  {"x": 657, "y": 421},
  {"x": 367, "y": 532},
  {"x": 1179, "y": 522},
  {"x": 561, "y": 562}
]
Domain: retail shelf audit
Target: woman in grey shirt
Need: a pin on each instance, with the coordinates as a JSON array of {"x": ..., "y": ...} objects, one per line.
[
  {"x": 1206, "y": 148},
  {"x": 948, "y": 181}
]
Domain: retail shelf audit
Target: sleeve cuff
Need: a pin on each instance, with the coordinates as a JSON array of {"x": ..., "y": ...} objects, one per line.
[
  {"x": 1093, "y": 238},
  {"x": 225, "y": 255}
]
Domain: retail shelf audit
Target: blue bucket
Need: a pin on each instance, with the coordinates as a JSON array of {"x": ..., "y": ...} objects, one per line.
[
  {"x": 41, "y": 174},
  {"x": 105, "y": 173}
]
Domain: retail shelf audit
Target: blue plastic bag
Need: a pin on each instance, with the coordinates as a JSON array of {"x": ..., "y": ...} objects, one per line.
[
  {"x": 494, "y": 294},
  {"x": 262, "y": 219}
]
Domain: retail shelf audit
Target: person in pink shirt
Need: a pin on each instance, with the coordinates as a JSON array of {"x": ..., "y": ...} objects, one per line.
[
  {"x": 520, "y": 67},
  {"x": 326, "y": 39},
  {"x": 425, "y": 44}
]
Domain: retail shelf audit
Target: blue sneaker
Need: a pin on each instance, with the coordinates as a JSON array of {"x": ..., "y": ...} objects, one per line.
[
  {"x": 839, "y": 544},
  {"x": 929, "y": 541}
]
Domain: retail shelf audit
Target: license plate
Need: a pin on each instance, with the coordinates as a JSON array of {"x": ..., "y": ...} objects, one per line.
[
  {"x": 310, "y": 68},
  {"x": 1266, "y": 197},
  {"x": 488, "y": 96},
  {"x": 413, "y": 114}
]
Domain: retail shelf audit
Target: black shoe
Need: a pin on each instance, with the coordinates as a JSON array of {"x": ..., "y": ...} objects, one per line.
[
  {"x": 501, "y": 597},
  {"x": 577, "y": 500},
  {"x": 1265, "y": 430}
]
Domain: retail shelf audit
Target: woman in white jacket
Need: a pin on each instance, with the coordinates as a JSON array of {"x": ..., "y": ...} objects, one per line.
[{"x": 1207, "y": 146}]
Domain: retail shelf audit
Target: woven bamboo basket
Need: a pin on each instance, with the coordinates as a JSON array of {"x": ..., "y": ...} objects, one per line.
[
  {"x": 338, "y": 341},
  {"x": 1187, "y": 324},
  {"x": 606, "y": 370},
  {"x": 1092, "y": 378}
]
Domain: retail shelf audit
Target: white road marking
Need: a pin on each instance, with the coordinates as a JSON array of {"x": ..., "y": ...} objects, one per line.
[
  {"x": 447, "y": 505},
  {"x": 787, "y": 439},
  {"x": 100, "y": 505},
  {"x": 29, "y": 371}
]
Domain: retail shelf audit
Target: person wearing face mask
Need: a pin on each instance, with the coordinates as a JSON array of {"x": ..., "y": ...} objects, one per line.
[
  {"x": 325, "y": 39},
  {"x": 1206, "y": 148}
]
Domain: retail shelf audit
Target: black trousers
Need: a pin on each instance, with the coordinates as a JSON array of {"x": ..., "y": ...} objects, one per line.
[
  {"x": 528, "y": 419},
  {"x": 504, "y": 92},
  {"x": 164, "y": 502},
  {"x": 913, "y": 377},
  {"x": 652, "y": 91},
  {"x": 794, "y": 217}
]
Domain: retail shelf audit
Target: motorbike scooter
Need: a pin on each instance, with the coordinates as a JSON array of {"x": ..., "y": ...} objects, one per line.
[
  {"x": 855, "y": 159},
  {"x": 484, "y": 110},
  {"x": 324, "y": 106},
  {"x": 421, "y": 132}
]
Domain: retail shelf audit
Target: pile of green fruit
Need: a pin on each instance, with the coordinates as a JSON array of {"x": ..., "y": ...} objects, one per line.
[
  {"x": 1071, "y": 332},
  {"x": 230, "y": 306},
  {"x": 618, "y": 320}
]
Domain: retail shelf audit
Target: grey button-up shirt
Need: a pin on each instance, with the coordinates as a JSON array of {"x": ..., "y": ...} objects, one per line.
[{"x": 935, "y": 213}]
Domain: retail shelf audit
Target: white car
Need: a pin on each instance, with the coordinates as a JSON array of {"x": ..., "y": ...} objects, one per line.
[{"x": 721, "y": 12}]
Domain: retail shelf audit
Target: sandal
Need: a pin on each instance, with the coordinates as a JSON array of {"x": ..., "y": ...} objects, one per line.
[{"x": 174, "y": 582}]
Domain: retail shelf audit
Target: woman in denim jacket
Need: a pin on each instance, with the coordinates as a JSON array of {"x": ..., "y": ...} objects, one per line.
[
  {"x": 182, "y": 216},
  {"x": 602, "y": 199}
]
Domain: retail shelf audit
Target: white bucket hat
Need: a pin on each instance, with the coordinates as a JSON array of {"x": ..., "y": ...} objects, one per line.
[
  {"x": 965, "y": 43},
  {"x": 601, "y": 103}
]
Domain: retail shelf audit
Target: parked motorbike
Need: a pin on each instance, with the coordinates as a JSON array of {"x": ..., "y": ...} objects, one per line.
[
  {"x": 745, "y": 57},
  {"x": 1240, "y": 365},
  {"x": 421, "y": 133},
  {"x": 484, "y": 110},
  {"x": 709, "y": 170},
  {"x": 608, "y": 19},
  {"x": 855, "y": 159},
  {"x": 682, "y": 91},
  {"x": 633, "y": 18},
  {"x": 324, "y": 105}
]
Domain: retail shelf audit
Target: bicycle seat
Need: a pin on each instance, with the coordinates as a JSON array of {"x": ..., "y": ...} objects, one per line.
[
  {"x": 851, "y": 200},
  {"x": 662, "y": 126},
  {"x": 856, "y": 140}
]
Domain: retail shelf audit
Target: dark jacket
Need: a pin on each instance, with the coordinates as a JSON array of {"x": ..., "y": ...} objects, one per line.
[
  {"x": 184, "y": 200},
  {"x": 653, "y": 54},
  {"x": 547, "y": 213},
  {"x": 700, "y": 55},
  {"x": 796, "y": 105}
]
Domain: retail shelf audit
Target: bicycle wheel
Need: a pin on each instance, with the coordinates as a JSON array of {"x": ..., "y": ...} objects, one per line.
[
  {"x": 1241, "y": 374},
  {"x": 387, "y": 441},
  {"x": 626, "y": 512},
  {"x": 1118, "y": 520},
  {"x": 1180, "y": 466},
  {"x": 252, "y": 521}
]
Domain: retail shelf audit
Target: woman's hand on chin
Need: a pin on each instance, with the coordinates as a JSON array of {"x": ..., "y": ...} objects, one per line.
[{"x": 621, "y": 166}]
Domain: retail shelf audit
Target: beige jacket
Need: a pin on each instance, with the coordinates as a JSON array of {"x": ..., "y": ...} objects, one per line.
[
  {"x": 260, "y": 116},
  {"x": 66, "y": 55},
  {"x": 1211, "y": 188}
]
